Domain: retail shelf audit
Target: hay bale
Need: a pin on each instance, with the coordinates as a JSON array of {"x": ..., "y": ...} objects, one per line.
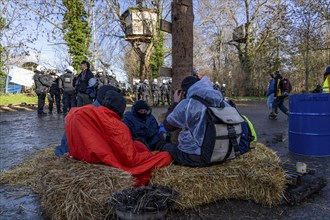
[
  {"x": 256, "y": 175},
  {"x": 24, "y": 174},
  {"x": 71, "y": 189}
]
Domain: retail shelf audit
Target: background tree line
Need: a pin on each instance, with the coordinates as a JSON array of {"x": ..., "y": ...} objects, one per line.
[{"x": 292, "y": 36}]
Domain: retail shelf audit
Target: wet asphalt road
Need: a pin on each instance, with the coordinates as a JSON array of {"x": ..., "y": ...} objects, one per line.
[{"x": 23, "y": 133}]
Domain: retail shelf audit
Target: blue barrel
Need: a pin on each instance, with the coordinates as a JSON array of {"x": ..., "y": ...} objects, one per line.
[{"x": 309, "y": 124}]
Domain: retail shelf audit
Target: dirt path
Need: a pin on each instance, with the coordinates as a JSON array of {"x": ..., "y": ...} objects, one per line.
[{"x": 22, "y": 133}]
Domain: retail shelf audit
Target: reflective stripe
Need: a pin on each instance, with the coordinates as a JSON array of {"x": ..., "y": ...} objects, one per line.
[{"x": 326, "y": 85}]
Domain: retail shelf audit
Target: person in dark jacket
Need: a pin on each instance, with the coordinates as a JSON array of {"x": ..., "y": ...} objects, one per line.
[
  {"x": 67, "y": 87},
  {"x": 83, "y": 82},
  {"x": 279, "y": 96},
  {"x": 143, "y": 125},
  {"x": 54, "y": 93},
  {"x": 41, "y": 85}
]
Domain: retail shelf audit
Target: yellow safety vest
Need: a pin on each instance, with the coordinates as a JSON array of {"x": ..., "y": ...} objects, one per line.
[
  {"x": 326, "y": 85},
  {"x": 253, "y": 132}
]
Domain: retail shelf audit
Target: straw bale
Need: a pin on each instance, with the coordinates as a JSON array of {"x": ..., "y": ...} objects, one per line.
[
  {"x": 256, "y": 175},
  {"x": 71, "y": 189},
  {"x": 24, "y": 174}
]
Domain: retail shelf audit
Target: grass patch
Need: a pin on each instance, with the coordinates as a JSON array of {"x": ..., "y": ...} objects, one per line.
[
  {"x": 250, "y": 98},
  {"x": 15, "y": 99}
]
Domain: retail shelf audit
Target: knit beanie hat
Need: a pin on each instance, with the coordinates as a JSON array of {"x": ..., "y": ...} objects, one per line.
[
  {"x": 188, "y": 82},
  {"x": 141, "y": 105},
  {"x": 110, "y": 98}
]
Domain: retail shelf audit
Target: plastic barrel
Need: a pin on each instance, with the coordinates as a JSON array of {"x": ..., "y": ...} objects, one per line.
[{"x": 309, "y": 124}]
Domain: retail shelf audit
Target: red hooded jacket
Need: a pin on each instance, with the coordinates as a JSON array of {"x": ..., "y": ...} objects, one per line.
[{"x": 97, "y": 135}]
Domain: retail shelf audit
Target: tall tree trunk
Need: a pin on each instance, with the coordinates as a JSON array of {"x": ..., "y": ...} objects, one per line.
[{"x": 182, "y": 40}]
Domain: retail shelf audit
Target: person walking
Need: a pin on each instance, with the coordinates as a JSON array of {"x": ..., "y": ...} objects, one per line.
[
  {"x": 270, "y": 91},
  {"x": 282, "y": 89}
]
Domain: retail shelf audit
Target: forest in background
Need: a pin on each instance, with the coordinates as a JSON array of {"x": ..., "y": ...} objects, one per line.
[{"x": 292, "y": 36}]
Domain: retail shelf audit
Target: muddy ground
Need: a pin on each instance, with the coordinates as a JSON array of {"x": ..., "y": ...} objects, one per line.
[{"x": 23, "y": 133}]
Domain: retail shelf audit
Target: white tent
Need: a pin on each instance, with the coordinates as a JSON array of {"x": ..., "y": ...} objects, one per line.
[{"x": 21, "y": 76}]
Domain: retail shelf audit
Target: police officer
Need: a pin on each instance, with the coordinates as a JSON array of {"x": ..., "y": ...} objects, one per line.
[
  {"x": 136, "y": 91},
  {"x": 83, "y": 82},
  {"x": 155, "y": 92},
  {"x": 223, "y": 90},
  {"x": 146, "y": 91},
  {"x": 41, "y": 86},
  {"x": 216, "y": 86},
  {"x": 54, "y": 93},
  {"x": 112, "y": 79},
  {"x": 164, "y": 89},
  {"x": 68, "y": 89},
  {"x": 140, "y": 90},
  {"x": 101, "y": 78}
]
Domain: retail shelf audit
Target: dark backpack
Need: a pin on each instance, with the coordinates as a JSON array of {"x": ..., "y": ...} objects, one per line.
[
  {"x": 285, "y": 85},
  {"x": 222, "y": 135}
]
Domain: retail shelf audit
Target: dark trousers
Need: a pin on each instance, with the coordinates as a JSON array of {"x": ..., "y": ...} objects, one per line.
[
  {"x": 83, "y": 99},
  {"x": 181, "y": 157},
  {"x": 54, "y": 95},
  {"x": 69, "y": 100},
  {"x": 167, "y": 97},
  {"x": 41, "y": 101},
  {"x": 279, "y": 103}
]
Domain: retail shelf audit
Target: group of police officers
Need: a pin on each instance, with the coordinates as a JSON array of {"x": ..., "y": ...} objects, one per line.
[
  {"x": 157, "y": 93},
  {"x": 79, "y": 90},
  {"x": 76, "y": 90}
]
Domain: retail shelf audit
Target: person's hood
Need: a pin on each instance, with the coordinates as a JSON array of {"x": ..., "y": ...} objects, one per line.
[
  {"x": 204, "y": 89},
  {"x": 134, "y": 108}
]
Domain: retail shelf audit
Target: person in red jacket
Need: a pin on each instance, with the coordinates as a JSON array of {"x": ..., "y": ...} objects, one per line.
[{"x": 96, "y": 134}]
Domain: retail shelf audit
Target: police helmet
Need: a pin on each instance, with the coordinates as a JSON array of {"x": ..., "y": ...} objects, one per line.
[{"x": 70, "y": 69}]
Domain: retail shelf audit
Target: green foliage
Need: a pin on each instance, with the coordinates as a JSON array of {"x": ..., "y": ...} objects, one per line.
[
  {"x": 2, "y": 50},
  {"x": 77, "y": 32},
  {"x": 157, "y": 57},
  {"x": 15, "y": 99}
]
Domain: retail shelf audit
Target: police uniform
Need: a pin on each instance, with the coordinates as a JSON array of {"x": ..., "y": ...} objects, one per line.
[
  {"x": 69, "y": 92},
  {"x": 155, "y": 93},
  {"x": 54, "y": 93},
  {"x": 101, "y": 79},
  {"x": 41, "y": 85},
  {"x": 165, "y": 90}
]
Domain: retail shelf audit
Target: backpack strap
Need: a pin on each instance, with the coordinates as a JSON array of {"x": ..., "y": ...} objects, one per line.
[{"x": 233, "y": 140}]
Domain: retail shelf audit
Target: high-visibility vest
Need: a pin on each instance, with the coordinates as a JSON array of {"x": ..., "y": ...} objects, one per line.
[
  {"x": 253, "y": 132},
  {"x": 326, "y": 85}
]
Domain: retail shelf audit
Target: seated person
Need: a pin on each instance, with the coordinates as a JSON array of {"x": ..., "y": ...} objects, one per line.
[
  {"x": 96, "y": 134},
  {"x": 188, "y": 113},
  {"x": 143, "y": 124}
]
